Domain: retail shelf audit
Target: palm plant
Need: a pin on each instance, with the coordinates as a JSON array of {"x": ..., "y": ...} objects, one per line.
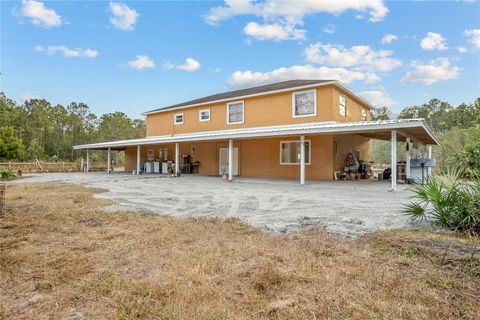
[{"x": 449, "y": 201}]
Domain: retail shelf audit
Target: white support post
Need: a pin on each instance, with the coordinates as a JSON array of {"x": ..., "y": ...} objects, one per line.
[
  {"x": 394, "y": 160},
  {"x": 429, "y": 157},
  {"x": 88, "y": 161},
  {"x": 230, "y": 160},
  {"x": 177, "y": 159},
  {"x": 138, "y": 160},
  {"x": 407, "y": 164},
  {"x": 109, "y": 160},
  {"x": 302, "y": 160}
]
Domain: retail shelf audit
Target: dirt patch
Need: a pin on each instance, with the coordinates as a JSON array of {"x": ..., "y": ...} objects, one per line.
[
  {"x": 63, "y": 257},
  {"x": 348, "y": 208}
]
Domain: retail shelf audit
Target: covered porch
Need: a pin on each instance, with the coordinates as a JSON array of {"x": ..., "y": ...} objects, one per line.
[{"x": 257, "y": 152}]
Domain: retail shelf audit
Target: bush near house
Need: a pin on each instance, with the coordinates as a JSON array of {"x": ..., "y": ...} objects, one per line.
[
  {"x": 448, "y": 201},
  {"x": 7, "y": 174}
]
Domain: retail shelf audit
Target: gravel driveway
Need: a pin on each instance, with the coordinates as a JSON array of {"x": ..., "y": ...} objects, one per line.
[{"x": 342, "y": 207}]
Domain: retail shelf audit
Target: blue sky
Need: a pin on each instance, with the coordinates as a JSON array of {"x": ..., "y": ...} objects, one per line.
[{"x": 140, "y": 55}]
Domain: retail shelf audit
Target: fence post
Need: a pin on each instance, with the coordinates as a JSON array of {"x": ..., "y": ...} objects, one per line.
[{"x": 3, "y": 202}]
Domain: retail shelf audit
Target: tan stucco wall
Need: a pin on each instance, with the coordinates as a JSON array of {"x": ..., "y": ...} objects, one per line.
[
  {"x": 350, "y": 143},
  {"x": 354, "y": 107},
  {"x": 267, "y": 110},
  {"x": 261, "y": 157}
]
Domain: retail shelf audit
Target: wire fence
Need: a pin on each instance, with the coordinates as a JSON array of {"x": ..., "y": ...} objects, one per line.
[{"x": 40, "y": 166}]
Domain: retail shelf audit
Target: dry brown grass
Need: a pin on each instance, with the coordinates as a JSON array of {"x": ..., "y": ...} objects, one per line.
[{"x": 61, "y": 257}]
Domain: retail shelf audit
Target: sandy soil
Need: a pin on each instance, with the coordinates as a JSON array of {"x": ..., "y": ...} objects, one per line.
[{"x": 278, "y": 206}]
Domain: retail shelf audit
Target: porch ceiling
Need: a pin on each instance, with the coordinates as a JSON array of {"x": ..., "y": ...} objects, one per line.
[
  {"x": 415, "y": 134},
  {"x": 416, "y": 129}
]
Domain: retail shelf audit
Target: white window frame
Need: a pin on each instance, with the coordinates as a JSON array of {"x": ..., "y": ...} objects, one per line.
[
  {"x": 243, "y": 112},
  {"x": 339, "y": 105},
  {"x": 150, "y": 154},
  {"x": 200, "y": 115},
  {"x": 314, "y": 104},
  {"x": 296, "y": 164},
  {"x": 175, "y": 118},
  {"x": 364, "y": 114}
]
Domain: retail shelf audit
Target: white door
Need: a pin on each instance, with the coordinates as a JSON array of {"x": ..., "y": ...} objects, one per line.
[{"x": 223, "y": 161}]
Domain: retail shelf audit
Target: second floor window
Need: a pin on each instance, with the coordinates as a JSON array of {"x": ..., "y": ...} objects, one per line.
[
  {"x": 178, "y": 118},
  {"x": 364, "y": 115},
  {"x": 204, "y": 115},
  {"x": 235, "y": 112},
  {"x": 304, "y": 104},
  {"x": 342, "y": 106}
]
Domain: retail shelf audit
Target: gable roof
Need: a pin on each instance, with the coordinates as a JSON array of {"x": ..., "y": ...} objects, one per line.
[{"x": 256, "y": 91}]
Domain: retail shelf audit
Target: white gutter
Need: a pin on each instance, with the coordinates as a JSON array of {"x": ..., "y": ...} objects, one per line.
[
  {"x": 337, "y": 83},
  {"x": 272, "y": 131}
]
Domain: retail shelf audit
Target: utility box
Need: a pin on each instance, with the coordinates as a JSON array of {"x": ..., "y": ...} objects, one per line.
[{"x": 419, "y": 169}]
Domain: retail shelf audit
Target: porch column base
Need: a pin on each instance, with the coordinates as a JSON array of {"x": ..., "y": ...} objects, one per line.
[
  {"x": 87, "y": 169},
  {"x": 177, "y": 159},
  {"x": 302, "y": 160},
  {"x": 109, "y": 160},
  {"x": 138, "y": 160},
  {"x": 394, "y": 161},
  {"x": 230, "y": 160},
  {"x": 407, "y": 163}
]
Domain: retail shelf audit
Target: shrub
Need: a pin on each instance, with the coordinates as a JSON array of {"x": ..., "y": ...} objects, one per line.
[
  {"x": 7, "y": 174},
  {"x": 448, "y": 201},
  {"x": 461, "y": 148}
]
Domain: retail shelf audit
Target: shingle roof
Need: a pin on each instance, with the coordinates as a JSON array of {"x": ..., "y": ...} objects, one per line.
[{"x": 245, "y": 92}]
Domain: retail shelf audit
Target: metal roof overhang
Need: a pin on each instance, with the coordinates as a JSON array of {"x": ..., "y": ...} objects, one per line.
[{"x": 415, "y": 129}]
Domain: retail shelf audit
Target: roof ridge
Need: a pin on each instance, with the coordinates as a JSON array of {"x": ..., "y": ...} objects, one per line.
[{"x": 262, "y": 89}]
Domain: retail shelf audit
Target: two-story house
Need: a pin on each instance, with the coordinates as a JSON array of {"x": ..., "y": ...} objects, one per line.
[{"x": 297, "y": 129}]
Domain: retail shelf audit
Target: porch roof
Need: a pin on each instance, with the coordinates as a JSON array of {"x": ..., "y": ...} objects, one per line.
[{"x": 415, "y": 129}]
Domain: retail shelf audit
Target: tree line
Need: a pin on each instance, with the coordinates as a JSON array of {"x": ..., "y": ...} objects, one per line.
[
  {"x": 457, "y": 128},
  {"x": 36, "y": 129}
]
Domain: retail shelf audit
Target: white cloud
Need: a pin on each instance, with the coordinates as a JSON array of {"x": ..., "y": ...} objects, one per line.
[
  {"x": 290, "y": 10},
  {"x": 436, "y": 70},
  {"x": 359, "y": 57},
  {"x": 247, "y": 78},
  {"x": 290, "y": 13},
  {"x": 433, "y": 41},
  {"x": 141, "y": 62},
  {"x": 274, "y": 31},
  {"x": 39, "y": 14},
  {"x": 462, "y": 49},
  {"x": 378, "y": 98},
  {"x": 189, "y": 65},
  {"x": 329, "y": 28},
  {"x": 69, "y": 53},
  {"x": 473, "y": 36},
  {"x": 124, "y": 17},
  {"x": 27, "y": 97},
  {"x": 389, "y": 38}
]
